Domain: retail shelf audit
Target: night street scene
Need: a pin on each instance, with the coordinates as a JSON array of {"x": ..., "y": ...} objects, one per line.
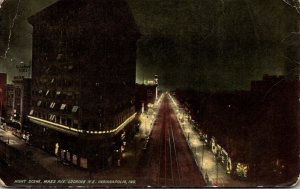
[{"x": 149, "y": 93}]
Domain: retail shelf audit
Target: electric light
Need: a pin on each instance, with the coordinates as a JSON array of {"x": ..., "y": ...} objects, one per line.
[{"x": 81, "y": 131}]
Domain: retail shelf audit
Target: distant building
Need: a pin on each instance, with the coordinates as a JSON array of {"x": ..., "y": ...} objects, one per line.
[
  {"x": 146, "y": 93},
  {"x": 10, "y": 100},
  {"x": 3, "y": 80},
  {"x": 83, "y": 71},
  {"x": 266, "y": 84},
  {"x": 18, "y": 100}
]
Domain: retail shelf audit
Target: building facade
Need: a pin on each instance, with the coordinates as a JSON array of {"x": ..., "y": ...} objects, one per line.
[
  {"x": 18, "y": 101},
  {"x": 146, "y": 93},
  {"x": 10, "y": 100},
  {"x": 83, "y": 73},
  {"x": 253, "y": 134}
]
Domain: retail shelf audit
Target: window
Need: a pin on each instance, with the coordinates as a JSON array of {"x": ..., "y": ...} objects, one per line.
[
  {"x": 58, "y": 93},
  {"x": 31, "y": 112},
  {"x": 52, "y": 117},
  {"x": 47, "y": 92},
  {"x": 39, "y": 103},
  {"x": 40, "y": 91},
  {"x": 52, "y": 105},
  {"x": 63, "y": 106},
  {"x": 52, "y": 80},
  {"x": 75, "y": 109}
]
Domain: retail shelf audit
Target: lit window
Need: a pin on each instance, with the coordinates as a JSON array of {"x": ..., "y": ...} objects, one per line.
[
  {"x": 52, "y": 80},
  {"x": 63, "y": 106},
  {"x": 52, "y": 117},
  {"x": 47, "y": 92},
  {"x": 40, "y": 91},
  {"x": 75, "y": 109},
  {"x": 39, "y": 103},
  {"x": 52, "y": 105},
  {"x": 58, "y": 92},
  {"x": 31, "y": 112}
]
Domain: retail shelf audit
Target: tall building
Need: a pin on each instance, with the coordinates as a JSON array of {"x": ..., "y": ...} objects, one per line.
[{"x": 83, "y": 72}]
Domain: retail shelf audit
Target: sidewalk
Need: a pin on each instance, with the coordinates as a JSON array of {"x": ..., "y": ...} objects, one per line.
[{"x": 214, "y": 172}]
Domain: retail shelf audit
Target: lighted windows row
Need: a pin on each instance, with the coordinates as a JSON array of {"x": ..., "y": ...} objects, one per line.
[
  {"x": 56, "y": 94},
  {"x": 56, "y": 118},
  {"x": 53, "y": 105}
]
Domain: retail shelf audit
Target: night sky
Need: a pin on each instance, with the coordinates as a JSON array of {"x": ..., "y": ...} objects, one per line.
[{"x": 206, "y": 45}]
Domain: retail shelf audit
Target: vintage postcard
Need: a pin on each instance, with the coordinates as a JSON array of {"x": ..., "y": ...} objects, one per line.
[{"x": 149, "y": 93}]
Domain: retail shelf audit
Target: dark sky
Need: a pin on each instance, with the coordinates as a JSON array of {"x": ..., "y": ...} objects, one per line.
[{"x": 201, "y": 44}]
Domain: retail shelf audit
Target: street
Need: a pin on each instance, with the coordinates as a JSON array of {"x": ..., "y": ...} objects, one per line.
[{"x": 166, "y": 159}]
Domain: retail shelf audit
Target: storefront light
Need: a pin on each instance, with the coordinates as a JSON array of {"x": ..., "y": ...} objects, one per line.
[
  {"x": 242, "y": 170},
  {"x": 229, "y": 166}
]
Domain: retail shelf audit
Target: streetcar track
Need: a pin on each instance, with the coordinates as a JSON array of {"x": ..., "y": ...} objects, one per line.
[
  {"x": 176, "y": 157},
  {"x": 164, "y": 155},
  {"x": 172, "y": 176}
]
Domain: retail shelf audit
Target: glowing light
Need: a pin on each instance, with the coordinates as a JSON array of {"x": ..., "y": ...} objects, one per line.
[
  {"x": 81, "y": 131},
  {"x": 229, "y": 166},
  {"x": 56, "y": 149},
  {"x": 242, "y": 169}
]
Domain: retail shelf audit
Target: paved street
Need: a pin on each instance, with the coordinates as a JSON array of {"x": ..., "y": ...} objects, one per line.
[{"x": 166, "y": 160}]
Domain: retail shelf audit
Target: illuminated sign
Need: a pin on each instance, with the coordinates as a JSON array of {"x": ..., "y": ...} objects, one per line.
[{"x": 23, "y": 68}]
